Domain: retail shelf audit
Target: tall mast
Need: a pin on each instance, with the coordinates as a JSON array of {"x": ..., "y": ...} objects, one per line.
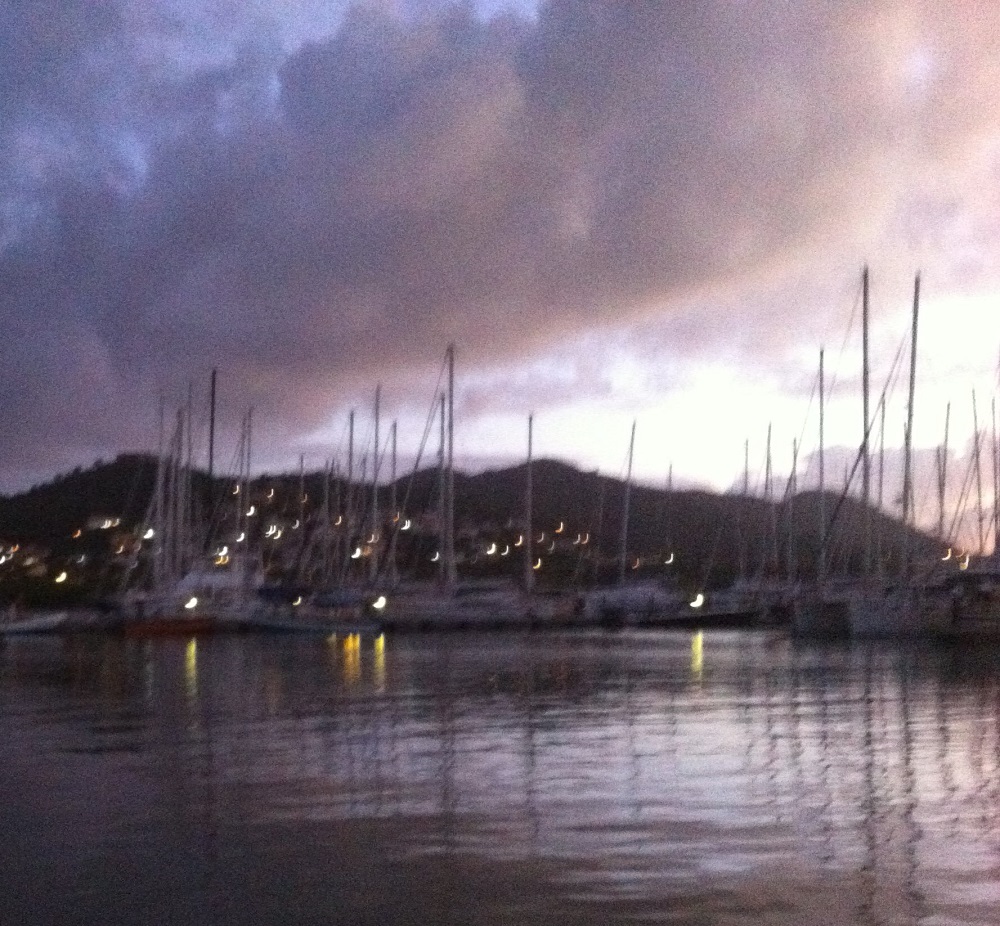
[
  {"x": 821, "y": 564},
  {"x": 393, "y": 572},
  {"x": 211, "y": 429},
  {"x": 443, "y": 492},
  {"x": 744, "y": 514},
  {"x": 866, "y": 563},
  {"x": 908, "y": 453},
  {"x": 996, "y": 478},
  {"x": 623, "y": 543},
  {"x": 373, "y": 561},
  {"x": 977, "y": 458},
  {"x": 943, "y": 472},
  {"x": 529, "y": 571},
  {"x": 349, "y": 494},
  {"x": 769, "y": 498},
  {"x": 451, "y": 573},
  {"x": 790, "y": 570}
]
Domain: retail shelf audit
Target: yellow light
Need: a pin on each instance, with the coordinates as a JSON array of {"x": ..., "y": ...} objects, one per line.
[
  {"x": 538, "y": 564},
  {"x": 560, "y": 528},
  {"x": 191, "y": 667},
  {"x": 697, "y": 653},
  {"x": 947, "y": 556},
  {"x": 61, "y": 577},
  {"x": 77, "y": 534},
  {"x": 297, "y": 602},
  {"x": 699, "y": 600},
  {"x": 378, "y": 667},
  {"x": 520, "y": 540},
  {"x": 965, "y": 562},
  {"x": 191, "y": 603},
  {"x": 379, "y": 603}
]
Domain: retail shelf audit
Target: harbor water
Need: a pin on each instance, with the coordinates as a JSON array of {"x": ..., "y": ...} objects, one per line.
[{"x": 535, "y": 778}]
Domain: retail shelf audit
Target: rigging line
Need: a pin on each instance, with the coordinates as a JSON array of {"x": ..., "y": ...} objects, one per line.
[
  {"x": 847, "y": 334},
  {"x": 428, "y": 424}
]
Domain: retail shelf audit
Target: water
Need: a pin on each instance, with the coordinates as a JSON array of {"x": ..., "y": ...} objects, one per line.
[{"x": 502, "y": 779}]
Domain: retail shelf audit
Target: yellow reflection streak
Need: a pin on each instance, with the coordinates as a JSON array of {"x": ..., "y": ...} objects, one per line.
[
  {"x": 352, "y": 658},
  {"x": 191, "y": 669},
  {"x": 697, "y": 653},
  {"x": 378, "y": 663}
]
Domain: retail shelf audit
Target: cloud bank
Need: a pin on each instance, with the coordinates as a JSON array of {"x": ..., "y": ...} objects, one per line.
[{"x": 314, "y": 204}]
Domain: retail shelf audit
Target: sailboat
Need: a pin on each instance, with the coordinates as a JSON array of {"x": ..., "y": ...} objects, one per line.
[
  {"x": 629, "y": 602},
  {"x": 450, "y": 604}
]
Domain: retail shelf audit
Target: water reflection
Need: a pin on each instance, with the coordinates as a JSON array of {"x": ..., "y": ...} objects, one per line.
[{"x": 682, "y": 778}]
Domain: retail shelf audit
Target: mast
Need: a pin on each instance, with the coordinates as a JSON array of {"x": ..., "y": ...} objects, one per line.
[
  {"x": 908, "y": 451},
  {"x": 790, "y": 570},
  {"x": 373, "y": 561},
  {"x": 623, "y": 543},
  {"x": 211, "y": 428},
  {"x": 769, "y": 498},
  {"x": 996, "y": 479},
  {"x": 821, "y": 564},
  {"x": 442, "y": 493},
  {"x": 393, "y": 572},
  {"x": 943, "y": 472},
  {"x": 451, "y": 574},
  {"x": 977, "y": 451},
  {"x": 866, "y": 562},
  {"x": 529, "y": 572},
  {"x": 349, "y": 495}
]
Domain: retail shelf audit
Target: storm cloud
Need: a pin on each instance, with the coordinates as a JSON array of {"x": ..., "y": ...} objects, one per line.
[{"x": 316, "y": 205}]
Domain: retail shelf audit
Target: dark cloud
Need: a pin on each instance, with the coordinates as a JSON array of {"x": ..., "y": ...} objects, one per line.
[{"x": 185, "y": 189}]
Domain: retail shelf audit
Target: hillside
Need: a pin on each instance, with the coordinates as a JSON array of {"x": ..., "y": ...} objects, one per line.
[{"x": 85, "y": 519}]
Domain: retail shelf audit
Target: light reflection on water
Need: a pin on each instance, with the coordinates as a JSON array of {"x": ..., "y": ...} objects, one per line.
[{"x": 682, "y": 778}]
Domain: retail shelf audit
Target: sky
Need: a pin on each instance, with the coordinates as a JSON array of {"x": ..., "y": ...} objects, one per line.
[{"x": 637, "y": 211}]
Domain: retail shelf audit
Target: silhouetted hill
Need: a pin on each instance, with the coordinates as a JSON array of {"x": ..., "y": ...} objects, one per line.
[{"x": 713, "y": 537}]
